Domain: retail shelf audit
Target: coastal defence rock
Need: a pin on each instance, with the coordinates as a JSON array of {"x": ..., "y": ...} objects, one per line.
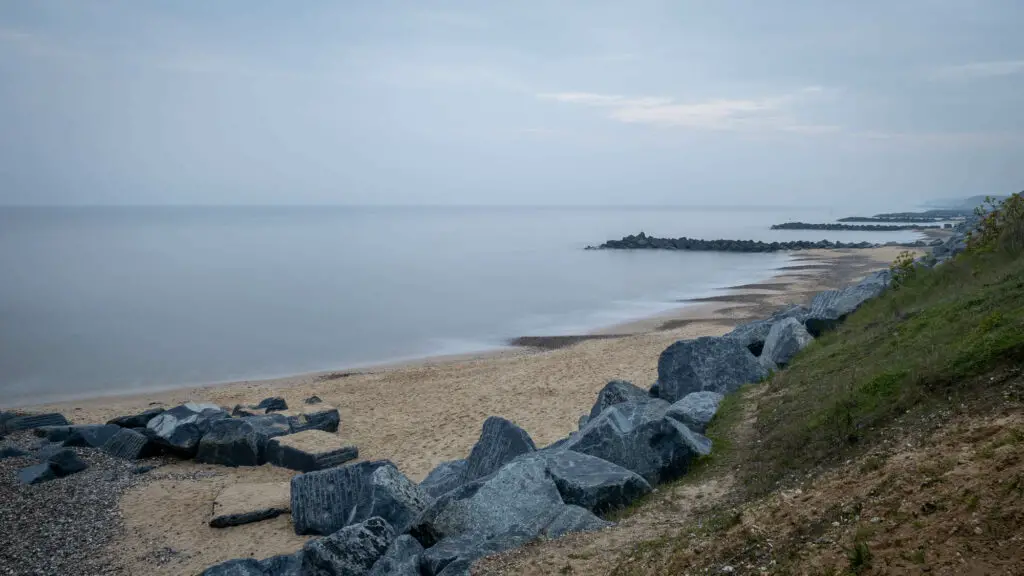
[
  {"x": 593, "y": 483},
  {"x": 445, "y": 477},
  {"x": 711, "y": 364},
  {"x": 314, "y": 417},
  {"x": 753, "y": 334},
  {"x": 283, "y": 565},
  {"x": 129, "y": 444},
  {"x": 402, "y": 558},
  {"x": 643, "y": 242},
  {"x": 638, "y": 436},
  {"x": 272, "y": 404},
  {"x": 830, "y": 308},
  {"x": 696, "y": 410},
  {"x": 180, "y": 428},
  {"x": 231, "y": 442},
  {"x": 500, "y": 442},
  {"x": 136, "y": 420},
  {"x": 309, "y": 451},
  {"x": 61, "y": 463},
  {"x": 787, "y": 337},
  {"x": 32, "y": 421},
  {"x": 616, "y": 392},
  {"x": 351, "y": 551},
  {"x": 325, "y": 501},
  {"x": 91, "y": 436},
  {"x": 241, "y": 504},
  {"x": 574, "y": 519}
]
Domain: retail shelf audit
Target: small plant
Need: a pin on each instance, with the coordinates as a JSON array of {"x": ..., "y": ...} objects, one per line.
[
  {"x": 902, "y": 269},
  {"x": 859, "y": 557}
]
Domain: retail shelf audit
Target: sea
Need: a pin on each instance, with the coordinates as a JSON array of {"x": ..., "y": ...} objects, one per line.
[{"x": 110, "y": 300}]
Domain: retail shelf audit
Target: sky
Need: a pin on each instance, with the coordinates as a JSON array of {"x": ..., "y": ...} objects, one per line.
[{"x": 646, "y": 102}]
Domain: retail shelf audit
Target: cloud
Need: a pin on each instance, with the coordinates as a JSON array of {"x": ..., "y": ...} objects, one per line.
[
  {"x": 978, "y": 70},
  {"x": 764, "y": 114}
]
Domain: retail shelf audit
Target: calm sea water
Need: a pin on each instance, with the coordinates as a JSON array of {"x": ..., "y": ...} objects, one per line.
[{"x": 110, "y": 300}]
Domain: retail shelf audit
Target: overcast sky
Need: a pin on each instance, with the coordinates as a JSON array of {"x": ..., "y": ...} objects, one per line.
[{"x": 513, "y": 102}]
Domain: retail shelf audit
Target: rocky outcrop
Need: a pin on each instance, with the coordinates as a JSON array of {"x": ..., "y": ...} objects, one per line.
[
  {"x": 327, "y": 500},
  {"x": 787, "y": 337},
  {"x": 500, "y": 442},
  {"x": 616, "y": 392},
  {"x": 643, "y": 242},
  {"x": 638, "y": 436},
  {"x": 695, "y": 410},
  {"x": 852, "y": 228},
  {"x": 710, "y": 364},
  {"x": 446, "y": 477}
]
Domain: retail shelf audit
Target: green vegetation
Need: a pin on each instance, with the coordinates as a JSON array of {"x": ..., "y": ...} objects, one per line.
[{"x": 930, "y": 340}]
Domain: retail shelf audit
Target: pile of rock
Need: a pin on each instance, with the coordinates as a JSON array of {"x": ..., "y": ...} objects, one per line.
[
  {"x": 642, "y": 241},
  {"x": 267, "y": 432}
]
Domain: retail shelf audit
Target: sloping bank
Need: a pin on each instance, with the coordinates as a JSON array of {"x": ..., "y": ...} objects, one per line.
[{"x": 508, "y": 492}]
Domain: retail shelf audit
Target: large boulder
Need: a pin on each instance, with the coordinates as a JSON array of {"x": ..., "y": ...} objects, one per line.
[
  {"x": 719, "y": 365},
  {"x": 830, "y": 308},
  {"x": 787, "y": 337},
  {"x": 314, "y": 417},
  {"x": 91, "y": 436},
  {"x": 453, "y": 556},
  {"x": 351, "y": 551},
  {"x": 309, "y": 451},
  {"x": 32, "y": 421},
  {"x": 445, "y": 477},
  {"x": 592, "y": 483},
  {"x": 130, "y": 445},
  {"x": 638, "y": 436},
  {"x": 58, "y": 464},
  {"x": 230, "y": 442},
  {"x": 180, "y": 428},
  {"x": 12, "y": 452},
  {"x": 136, "y": 420},
  {"x": 753, "y": 334},
  {"x": 401, "y": 559},
  {"x": 325, "y": 501},
  {"x": 36, "y": 474},
  {"x": 272, "y": 404},
  {"x": 500, "y": 442},
  {"x": 574, "y": 519},
  {"x": 695, "y": 410},
  {"x": 283, "y": 565},
  {"x": 616, "y": 392}
]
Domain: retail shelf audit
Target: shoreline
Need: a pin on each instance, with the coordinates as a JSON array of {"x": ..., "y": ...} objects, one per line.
[{"x": 416, "y": 415}]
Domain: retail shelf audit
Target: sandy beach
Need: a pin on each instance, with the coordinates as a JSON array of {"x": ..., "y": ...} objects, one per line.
[{"x": 420, "y": 414}]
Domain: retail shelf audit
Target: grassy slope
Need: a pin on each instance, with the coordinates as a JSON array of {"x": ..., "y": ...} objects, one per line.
[{"x": 946, "y": 337}]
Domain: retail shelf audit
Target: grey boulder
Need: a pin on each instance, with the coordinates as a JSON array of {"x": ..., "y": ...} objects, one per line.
[
  {"x": 65, "y": 463},
  {"x": 283, "y": 565},
  {"x": 830, "y": 308},
  {"x": 12, "y": 452},
  {"x": 180, "y": 428},
  {"x": 574, "y": 519},
  {"x": 445, "y": 477},
  {"x": 272, "y": 404},
  {"x": 616, "y": 392},
  {"x": 129, "y": 444},
  {"x": 325, "y": 501},
  {"x": 639, "y": 437},
  {"x": 592, "y": 483},
  {"x": 500, "y": 442},
  {"x": 91, "y": 436},
  {"x": 136, "y": 420},
  {"x": 36, "y": 474},
  {"x": 695, "y": 410},
  {"x": 454, "y": 556},
  {"x": 351, "y": 551},
  {"x": 402, "y": 558},
  {"x": 32, "y": 421},
  {"x": 309, "y": 451},
  {"x": 786, "y": 338},
  {"x": 230, "y": 442},
  {"x": 327, "y": 419},
  {"x": 719, "y": 365},
  {"x": 753, "y": 334}
]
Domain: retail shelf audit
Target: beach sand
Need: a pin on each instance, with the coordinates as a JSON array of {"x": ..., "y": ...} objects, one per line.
[{"x": 420, "y": 414}]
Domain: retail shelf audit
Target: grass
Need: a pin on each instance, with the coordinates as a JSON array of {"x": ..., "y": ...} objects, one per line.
[{"x": 930, "y": 340}]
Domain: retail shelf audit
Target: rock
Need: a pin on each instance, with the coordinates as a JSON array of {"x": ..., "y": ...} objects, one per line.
[
  {"x": 787, "y": 337},
  {"x": 751, "y": 335},
  {"x": 241, "y": 504},
  {"x": 180, "y": 428},
  {"x": 53, "y": 433},
  {"x": 65, "y": 463},
  {"x": 520, "y": 497},
  {"x": 12, "y": 452},
  {"x": 36, "y": 474},
  {"x": 830, "y": 308},
  {"x": 324, "y": 418},
  {"x": 637, "y": 436},
  {"x": 351, "y": 551},
  {"x": 500, "y": 441},
  {"x": 696, "y": 409},
  {"x": 583, "y": 419},
  {"x": 592, "y": 483},
  {"x": 309, "y": 451},
  {"x": 91, "y": 436},
  {"x": 137, "y": 420},
  {"x": 328, "y": 500},
  {"x": 283, "y": 565},
  {"x": 454, "y": 556},
  {"x": 32, "y": 421},
  {"x": 273, "y": 404},
  {"x": 313, "y": 400},
  {"x": 447, "y": 476},
  {"x": 617, "y": 392},
  {"x": 230, "y": 442},
  {"x": 401, "y": 559},
  {"x": 719, "y": 365},
  {"x": 574, "y": 519},
  {"x": 129, "y": 444}
]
